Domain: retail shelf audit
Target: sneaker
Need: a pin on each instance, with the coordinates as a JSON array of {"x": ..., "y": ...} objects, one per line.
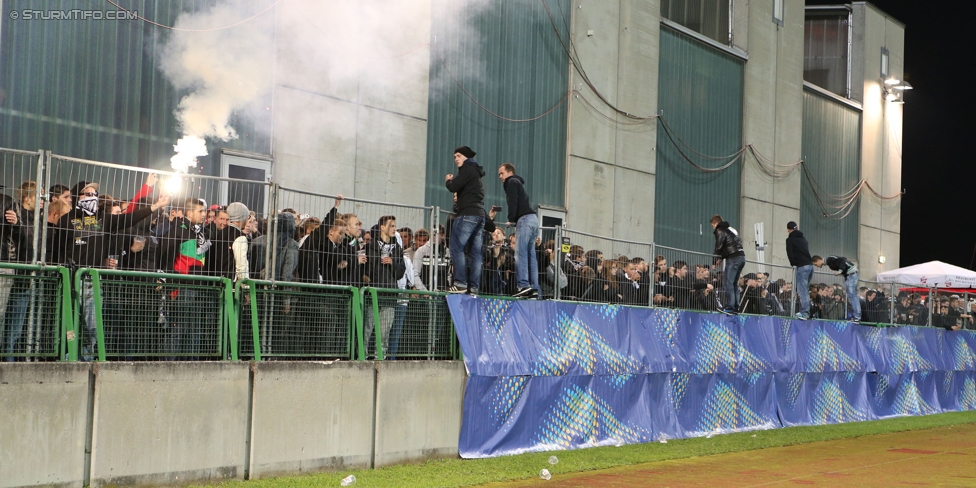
[
  {"x": 527, "y": 292},
  {"x": 472, "y": 291},
  {"x": 456, "y": 289},
  {"x": 800, "y": 316},
  {"x": 730, "y": 311}
]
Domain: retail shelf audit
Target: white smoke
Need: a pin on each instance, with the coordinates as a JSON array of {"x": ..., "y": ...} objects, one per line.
[{"x": 222, "y": 71}]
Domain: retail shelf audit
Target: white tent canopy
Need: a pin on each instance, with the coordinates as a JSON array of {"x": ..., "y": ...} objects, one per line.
[{"x": 934, "y": 274}]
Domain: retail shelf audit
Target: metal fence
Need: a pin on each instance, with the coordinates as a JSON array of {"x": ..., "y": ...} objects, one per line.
[
  {"x": 593, "y": 268},
  {"x": 402, "y": 324},
  {"x": 129, "y": 314},
  {"x": 35, "y": 305},
  {"x": 281, "y": 320}
]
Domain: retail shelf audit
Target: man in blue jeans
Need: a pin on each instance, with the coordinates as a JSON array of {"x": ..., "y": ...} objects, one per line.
[
  {"x": 526, "y": 230},
  {"x": 848, "y": 270},
  {"x": 469, "y": 221},
  {"x": 728, "y": 246},
  {"x": 798, "y": 250}
]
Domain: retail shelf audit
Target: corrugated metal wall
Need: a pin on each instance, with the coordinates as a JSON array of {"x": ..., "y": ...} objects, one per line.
[
  {"x": 509, "y": 59},
  {"x": 92, "y": 88},
  {"x": 700, "y": 95},
  {"x": 832, "y": 155}
]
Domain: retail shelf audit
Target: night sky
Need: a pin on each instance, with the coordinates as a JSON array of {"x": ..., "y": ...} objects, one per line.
[{"x": 937, "y": 174}]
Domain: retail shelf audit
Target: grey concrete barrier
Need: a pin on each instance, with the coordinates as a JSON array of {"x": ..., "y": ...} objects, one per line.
[
  {"x": 43, "y": 423},
  {"x": 169, "y": 422},
  {"x": 418, "y": 410},
  {"x": 309, "y": 417}
]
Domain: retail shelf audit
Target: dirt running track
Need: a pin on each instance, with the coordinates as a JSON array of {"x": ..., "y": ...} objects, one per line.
[{"x": 945, "y": 456}]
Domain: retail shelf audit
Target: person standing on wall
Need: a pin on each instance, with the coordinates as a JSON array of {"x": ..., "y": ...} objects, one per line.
[
  {"x": 848, "y": 270},
  {"x": 798, "y": 250},
  {"x": 728, "y": 246},
  {"x": 526, "y": 230},
  {"x": 469, "y": 223}
]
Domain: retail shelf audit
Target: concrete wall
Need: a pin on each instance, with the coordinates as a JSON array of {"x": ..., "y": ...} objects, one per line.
[
  {"x": 169, "y": 422},
  {"x": 773, "y": 121},
  {"x": 610, "y": 167},
  {"x": 178, "y": 422},
  {"x": 350, "y": 108},
  {"x": 881, "y": 136},
  {"x": 310, "y": 417},
  {"x": 44, "y": 412},
  {"x": 418, "y": 410}
]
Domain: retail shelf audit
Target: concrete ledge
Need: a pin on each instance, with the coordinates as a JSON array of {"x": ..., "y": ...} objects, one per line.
[
  {"x": 169, "y": 422},
  {"x": 43, "y": 422},
  {"x": 311, "y": 416},
  {"x": 418, "y": 410}
]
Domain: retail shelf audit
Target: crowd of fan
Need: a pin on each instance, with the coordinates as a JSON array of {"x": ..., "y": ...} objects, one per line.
[{"x": 87, "y": 229}]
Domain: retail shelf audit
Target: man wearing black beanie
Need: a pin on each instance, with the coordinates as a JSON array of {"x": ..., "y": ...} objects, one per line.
[{"x": 469, "y": 221}]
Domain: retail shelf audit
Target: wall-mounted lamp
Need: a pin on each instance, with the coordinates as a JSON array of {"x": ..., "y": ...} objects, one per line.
[{"x": 894, "y": 90}]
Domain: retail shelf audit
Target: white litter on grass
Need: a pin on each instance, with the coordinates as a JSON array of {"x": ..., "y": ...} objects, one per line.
[
  {"x": 544, "y": 474},
  {"x": 348, "y": 480},
  {"x": 553, "y": 460},
  {"x": 754, "y": 435}
]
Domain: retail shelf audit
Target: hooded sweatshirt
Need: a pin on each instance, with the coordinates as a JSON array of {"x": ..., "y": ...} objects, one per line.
[
  {"x": 470, "y": 191},
  {"x": 798, "y": 250},
  {"x": 517, "y": 197}
]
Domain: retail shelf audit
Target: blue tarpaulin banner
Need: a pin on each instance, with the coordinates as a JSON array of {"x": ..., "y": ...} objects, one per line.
[{"x": 546, "y": 375}]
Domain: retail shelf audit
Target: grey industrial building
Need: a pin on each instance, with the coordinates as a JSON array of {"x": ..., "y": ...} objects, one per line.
[{"x": 566, "y": 90}]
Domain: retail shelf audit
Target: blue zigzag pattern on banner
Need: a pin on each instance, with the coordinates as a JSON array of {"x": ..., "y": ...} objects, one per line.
[
  {"x": 786, "y": 335},
  {"x": 605, "y": 310},
  {"x": 967, "y": 396},
  {"x": 666, "y": 325},
  {"x": 830, "y": 404},
  {"x": 873, "y": 338},
  {"x": 578, "y": 414},
  {"x": 794, "y": 383},
  {"x": 964, "y": 358},
  {"x": 505, "y": 397},
  {"x": 679, "y": 385},
  {"x": 569, "y": 341},
  {"x": 496, "y": 313},
  {"x": 726, "y": 409},
  {"x": 825, "y": 352},
  {"x": 905, "y": 357},
  {"x": 717, "y": 346},
  {"x": 909, "y": 401}
]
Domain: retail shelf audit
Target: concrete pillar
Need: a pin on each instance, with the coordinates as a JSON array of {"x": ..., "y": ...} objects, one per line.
[
  {"x": 773, "y": 121},
  {"x": 610, "y": 166},
  {"x": 881, "y": 136}
]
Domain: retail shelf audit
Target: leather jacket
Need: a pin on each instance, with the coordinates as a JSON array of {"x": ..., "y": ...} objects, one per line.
[{"x": 727, "y": 241}]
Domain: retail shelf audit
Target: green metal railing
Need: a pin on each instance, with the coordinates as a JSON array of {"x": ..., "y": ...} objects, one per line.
[
  {"x": 299, "y": 320},
  {"x": 35, "y": 311},
  {"x": 407, "y": 324},
  {"x": 135, "y": 314}
]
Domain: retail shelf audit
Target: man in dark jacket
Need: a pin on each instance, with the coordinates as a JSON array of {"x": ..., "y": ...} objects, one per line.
[
  {"x": 384, "y": 260},
  {"x": 526, "y": 230},
  {"x": 798, "y": 250},
  {"x": 728, "y": 246},
  {"x": 469, "y": 223},
  {"x": 848, "y": 270}
]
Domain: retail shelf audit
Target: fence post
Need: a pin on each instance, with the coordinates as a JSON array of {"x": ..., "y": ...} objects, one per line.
[
  {"x": 557, "y": 263},
  {"x": 650, "y": 271},
  {"x": 356, "y": 328},
  {"x": 375, "y": 307},
  {"x": 230, "y": 317},
  {"x": 891, "y": 304},
  {"x": 68, "y": 330},
  {"x": 99, "y": 323},
  {"x": 794, "y": 295},
  {"x": 255, "y": 329},
  {"x": 269, "y": 251},
  {"x": 359, "y": 332},
  {"x": 434, "y": 237}
]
